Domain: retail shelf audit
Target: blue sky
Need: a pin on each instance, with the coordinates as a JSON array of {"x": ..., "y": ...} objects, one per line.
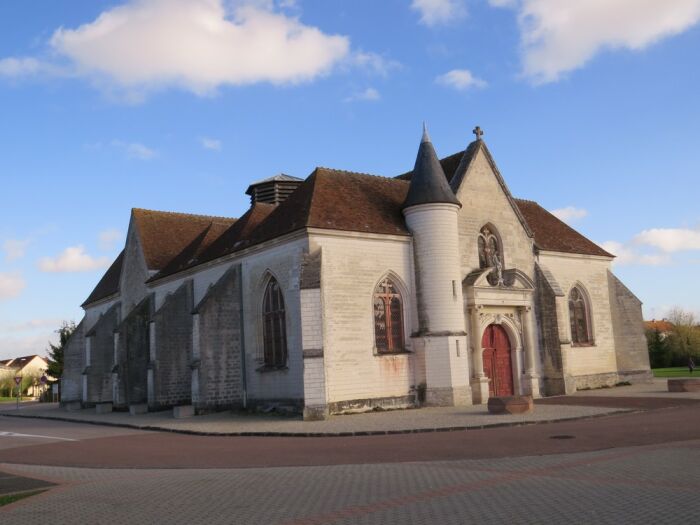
[{"x": 591, "y": 108}]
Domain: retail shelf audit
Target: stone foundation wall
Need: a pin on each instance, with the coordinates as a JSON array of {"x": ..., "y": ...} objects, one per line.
[{"x": 367, "y": 405}]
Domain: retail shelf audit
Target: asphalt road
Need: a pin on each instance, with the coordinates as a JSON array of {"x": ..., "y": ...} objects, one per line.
[{"x": 46, "y": 442}]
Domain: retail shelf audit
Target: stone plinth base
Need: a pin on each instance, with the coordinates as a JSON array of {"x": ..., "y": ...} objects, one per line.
[
  {"x": 138, "y": 409},
  {"x": 183, "y": 411},
  {"x": 72, "y": 406},
  {"x": 103, "y": 408},
  {"x": 448, "y": 397},
  {"x": 480, "y": 390},
  {"x": 684, "y": 385},
  {"x": 315, "y": 413},
  {"x": 510, "y": 405}
]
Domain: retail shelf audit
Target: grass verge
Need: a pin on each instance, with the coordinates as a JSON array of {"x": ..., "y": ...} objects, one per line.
[
  {"x": 681, "y": 371},
  {"x": 11, "y": 498}
]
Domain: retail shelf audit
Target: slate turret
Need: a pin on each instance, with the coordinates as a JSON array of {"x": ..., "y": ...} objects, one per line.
[{"x": 431, "y": 213}]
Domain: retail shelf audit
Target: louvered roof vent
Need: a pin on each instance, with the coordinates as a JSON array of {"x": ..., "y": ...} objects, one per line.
[{"x": 273, "y": 190}]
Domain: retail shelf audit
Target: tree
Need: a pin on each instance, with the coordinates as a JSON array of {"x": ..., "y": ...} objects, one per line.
[
  {"x": 684, "y": 340},
  {"x": 659, "y": 355},
  {"x": 55, "y": 358}
]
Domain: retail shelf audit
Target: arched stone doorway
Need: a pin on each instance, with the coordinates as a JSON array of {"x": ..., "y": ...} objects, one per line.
[{"x": 497, "y": 360}]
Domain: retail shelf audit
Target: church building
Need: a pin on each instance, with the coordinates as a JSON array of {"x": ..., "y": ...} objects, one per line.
[{"x": 347, "y": 292}]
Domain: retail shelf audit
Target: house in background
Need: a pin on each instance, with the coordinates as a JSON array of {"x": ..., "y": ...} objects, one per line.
[
  {"x": 30, "y": 366},
  {"x": 663, "y": 326}
]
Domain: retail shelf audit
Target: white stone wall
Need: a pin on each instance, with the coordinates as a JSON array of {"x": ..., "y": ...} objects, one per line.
[
  {"x": 484, "y": 202},
  {"x": 352, "y": 267},
  {"x": 592, "y": 274},
  {"x": 283, "y": 261}
]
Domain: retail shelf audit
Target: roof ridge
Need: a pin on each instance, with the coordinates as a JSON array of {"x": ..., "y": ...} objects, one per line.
[
  {"x": 183, "y": 214},
  {"x": 349, "y": 172}
]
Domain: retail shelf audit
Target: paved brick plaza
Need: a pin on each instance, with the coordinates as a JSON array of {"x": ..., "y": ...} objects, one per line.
[
  {"x": 654, "y": 484},
  {"x": 641, "y": 465}
]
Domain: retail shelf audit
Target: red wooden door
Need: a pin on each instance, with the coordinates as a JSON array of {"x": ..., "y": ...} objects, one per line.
[{"x": 497, "y": 361}]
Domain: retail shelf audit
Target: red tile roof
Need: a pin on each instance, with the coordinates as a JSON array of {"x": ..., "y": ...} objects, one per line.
[
  {"x": 164, "y": 235},
  {"x": 328, "y": 199},
  {"x": 555, "y": 235},
  {"x": 661, "y": 326}
]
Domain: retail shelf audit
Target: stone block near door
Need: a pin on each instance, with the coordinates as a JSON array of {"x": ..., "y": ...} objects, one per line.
[{"x": 510, "y": 405}]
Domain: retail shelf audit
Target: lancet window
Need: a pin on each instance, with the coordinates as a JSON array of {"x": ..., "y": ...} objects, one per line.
[{"x": 388, "y": 317}]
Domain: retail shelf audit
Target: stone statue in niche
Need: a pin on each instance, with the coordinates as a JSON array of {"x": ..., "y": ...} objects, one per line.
[{"x": 490, "y": 256}]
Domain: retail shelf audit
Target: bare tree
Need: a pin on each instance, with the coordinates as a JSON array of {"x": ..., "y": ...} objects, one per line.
[{"x": 686, "y": 332}]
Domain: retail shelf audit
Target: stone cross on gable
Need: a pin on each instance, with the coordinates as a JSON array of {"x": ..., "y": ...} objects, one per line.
[{"x": 478, "y": 132}]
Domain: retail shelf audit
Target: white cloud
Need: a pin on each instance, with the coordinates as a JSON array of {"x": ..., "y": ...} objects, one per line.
[
  {"x": 368, "y": 95},
  {"x": 569, "y": 214},
  {"x": 373, "y": 63},
  {"x": 625, "y": 255},
  {"x": 461, "y": 80},
  {"x": 16, "y": 67},
  {"x": 73, "y": 259},
  {"x": 11, "y": 285},
  {"x": 209, "y": 143},
  {"x": 436, "y": 12},
  {"x": 199, "y": 45},
  {"x": 135, "y": 150},
  {"x": 15, "y": 248},
  {"x": 108, "y": 239},
  {"x": 561, "y": 36},
  {"x": 670, "y": 239}
]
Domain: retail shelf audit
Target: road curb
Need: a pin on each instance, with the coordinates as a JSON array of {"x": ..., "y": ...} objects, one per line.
[{"x": 359, "y": 433}]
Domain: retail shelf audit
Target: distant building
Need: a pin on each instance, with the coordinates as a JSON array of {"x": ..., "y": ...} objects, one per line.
[
  {"x": 663, "y": 326},
  {"x": 33, "y": 366},
  {"x": 348, "y": 291}
]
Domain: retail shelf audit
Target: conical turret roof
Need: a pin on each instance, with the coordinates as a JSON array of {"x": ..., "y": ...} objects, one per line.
[{"x": 428, "y": 182}]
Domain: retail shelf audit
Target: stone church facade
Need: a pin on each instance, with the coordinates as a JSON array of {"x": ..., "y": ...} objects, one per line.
[{"x": 347, "y": 291}]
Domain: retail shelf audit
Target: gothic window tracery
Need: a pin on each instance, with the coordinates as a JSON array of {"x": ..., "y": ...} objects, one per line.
[
  {"x": 579, "y": 316},
  {"x": 274, "y": 326},
  {"x": 388, "y": 318}
]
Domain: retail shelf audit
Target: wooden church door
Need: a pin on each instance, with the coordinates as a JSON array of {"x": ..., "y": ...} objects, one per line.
[{"x": 497, "y": 361}]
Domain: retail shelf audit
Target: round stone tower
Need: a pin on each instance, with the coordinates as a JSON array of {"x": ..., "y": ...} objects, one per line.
[{"x": 431, "y": 213}]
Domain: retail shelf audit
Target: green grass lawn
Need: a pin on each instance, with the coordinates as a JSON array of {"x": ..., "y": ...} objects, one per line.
[
  {"x": 675, "y": 372},
  {"x": 11, "y": 498}
]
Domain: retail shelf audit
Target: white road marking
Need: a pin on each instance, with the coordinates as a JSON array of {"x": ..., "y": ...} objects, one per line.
[{"x": 15, "y": 434}]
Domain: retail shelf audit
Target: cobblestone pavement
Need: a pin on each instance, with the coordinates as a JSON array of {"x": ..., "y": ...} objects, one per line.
[{"x": 653, "y": 484}]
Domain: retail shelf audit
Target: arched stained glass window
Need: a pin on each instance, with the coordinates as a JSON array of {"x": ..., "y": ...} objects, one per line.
[
  {"x": 274, "y": 326},
  {"x": 388, "y": 318},
  {"x": 579, "y": 315}
]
